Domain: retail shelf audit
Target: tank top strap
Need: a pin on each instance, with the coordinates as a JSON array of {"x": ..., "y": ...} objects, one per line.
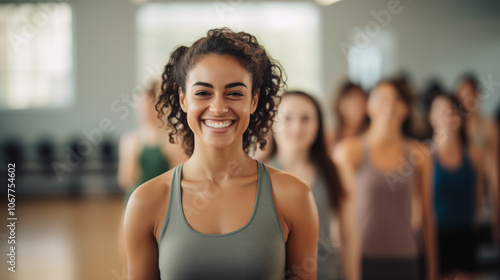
[
  {"x": 174, "y": 205},
  {"x": 266, "y": 209},
  {"x": 407, "y": 149},
  {"x": 433, "y": 149},
  {"x": 176, "y": 189},
  {"x": 263, "y": 187},
  {"x": 364, "y": 150}
]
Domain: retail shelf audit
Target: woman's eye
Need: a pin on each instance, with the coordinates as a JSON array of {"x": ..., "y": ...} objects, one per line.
[
  {"x": 235, "y": 93},
  {"x": 201, "y": 93}
]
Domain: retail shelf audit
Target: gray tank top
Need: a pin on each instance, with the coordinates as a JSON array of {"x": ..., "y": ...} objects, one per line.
[
  {"x": 384, "y": 208},
  {"x": 328, "y": 261},
  {"x": 255, "y": 251}
]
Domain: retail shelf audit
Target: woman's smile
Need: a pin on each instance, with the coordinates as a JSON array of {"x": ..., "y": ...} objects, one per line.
[{"x": 218, "y": 126}]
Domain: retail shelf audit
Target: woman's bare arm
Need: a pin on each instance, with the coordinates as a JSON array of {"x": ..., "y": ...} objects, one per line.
[
  {"x": 424, "y": 192},
  {"x": 477, "y": 162},
  {"x": 492, "y": 171},
  {"x": 141, "y": 245},
  {"x": 346, "y": 156},
  {"x": 296, "y": 203}
]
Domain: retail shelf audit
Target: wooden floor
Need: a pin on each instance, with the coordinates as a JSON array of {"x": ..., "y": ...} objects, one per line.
[{"x": 66, "y": 239}]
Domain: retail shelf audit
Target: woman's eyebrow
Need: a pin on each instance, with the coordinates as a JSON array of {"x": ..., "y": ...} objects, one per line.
[
  {"x": 203, "y": 84},
  {"x": 235, "y": 85}
]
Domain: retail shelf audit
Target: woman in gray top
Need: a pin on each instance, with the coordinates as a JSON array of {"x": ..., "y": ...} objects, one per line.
[
  {"x": 299, "y": 148},
  {"x": 389, "y": 178},
  {"x": 221, "y": 214}
]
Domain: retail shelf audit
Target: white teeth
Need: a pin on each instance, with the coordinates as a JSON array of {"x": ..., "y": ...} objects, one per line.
[{"x": 217, "y": 124}]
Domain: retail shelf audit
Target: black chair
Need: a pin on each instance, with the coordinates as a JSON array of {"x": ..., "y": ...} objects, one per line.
[
  {"x": 45, "y": 153},
  {"x": 12, "y": 152}
]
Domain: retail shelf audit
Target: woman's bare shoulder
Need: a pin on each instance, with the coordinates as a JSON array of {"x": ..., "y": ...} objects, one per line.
[
  {"x": 130, "y": 137},
  {"x": 290, "y": 193},
  {"x": 348, "y": 150},
  {"x": 293, "y": 199},
  {"x": 150, "y": 197},
  {"x": 287, "y": 184}
]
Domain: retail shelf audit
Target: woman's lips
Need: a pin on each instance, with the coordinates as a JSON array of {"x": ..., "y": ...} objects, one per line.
[{"x": 212, "y": 125}]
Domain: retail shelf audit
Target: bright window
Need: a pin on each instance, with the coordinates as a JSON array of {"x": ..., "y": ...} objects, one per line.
[
  {"x": 365, "y": 67},
  {"x": 377, "y": 60},
  {"x": 36, "y": 56}
]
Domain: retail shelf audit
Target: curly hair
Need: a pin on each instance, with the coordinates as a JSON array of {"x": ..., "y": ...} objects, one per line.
[{"x": 267, "y": 78}]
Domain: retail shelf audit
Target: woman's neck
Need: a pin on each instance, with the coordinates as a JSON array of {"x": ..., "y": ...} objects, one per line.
[
  {"x": 214, "y": 164},
  {"x": 384, "y": 133},
  {"x": 447, "y": 140},
  {"x": 288, "y": 158},
  {"x": 150, "y": 133},
  {"x": 350, "y": 130}
]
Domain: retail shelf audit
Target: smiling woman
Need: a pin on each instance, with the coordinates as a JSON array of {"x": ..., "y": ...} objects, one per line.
[
  {"x": 245, "y": 59},
  {"x": 221, "y": 214}
]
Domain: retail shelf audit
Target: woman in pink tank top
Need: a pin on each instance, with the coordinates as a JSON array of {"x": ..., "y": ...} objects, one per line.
[{"x": 388, "y": 178}]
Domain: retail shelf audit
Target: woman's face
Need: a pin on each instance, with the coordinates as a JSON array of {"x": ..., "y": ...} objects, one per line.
[
  {"x": 384, "y": 105},
  {"x": 353, "y": 107},
  {"x": 146, "y": 112},
  {"x": 218, "y": 101},
  {"x": 442, "y": 116},
  {"x": 296, "y": 125},
  {"x": 467, "y": 96}
]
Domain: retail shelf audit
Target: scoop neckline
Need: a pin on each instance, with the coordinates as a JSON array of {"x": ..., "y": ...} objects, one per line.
[
  {"x": 453, "y": 169},
  {"x": 254, "y": 212},
  {"x": 369, "y": 160}
]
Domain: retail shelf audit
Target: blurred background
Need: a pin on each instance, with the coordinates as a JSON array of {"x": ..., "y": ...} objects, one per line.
[{"x": 71, "y": 74}]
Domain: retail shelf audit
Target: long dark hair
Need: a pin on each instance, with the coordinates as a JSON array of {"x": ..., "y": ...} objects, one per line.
[
  {"x": 346, "y": 89},
  {"x": 455, "y": 104},
  {"x": 471, "y": 79},
  {"x": 318, "y": 155}
]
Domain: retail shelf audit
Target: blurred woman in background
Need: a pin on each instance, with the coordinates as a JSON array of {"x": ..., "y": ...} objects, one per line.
[
  {"x": 458, "y": 191},
  {"x": 483, "y": 134},
  {"x": 389, "y": 177},
  {"x": 433, "y": 88},
  {"x": 300, "y": 149},
  {"x": 144, "y": 153},
  {"x": 349, "y": 111}
]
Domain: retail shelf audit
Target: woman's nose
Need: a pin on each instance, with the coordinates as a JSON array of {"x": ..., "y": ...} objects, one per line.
[
  {"x": 295, "y": 126},
  {"x": 218, "y": 106}
]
